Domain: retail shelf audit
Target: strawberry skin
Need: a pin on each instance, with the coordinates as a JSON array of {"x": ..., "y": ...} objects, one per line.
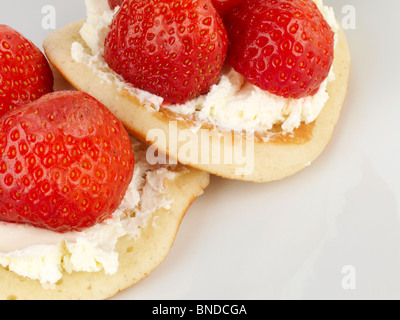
[
  {"x": 285, "y": 47},
  {"x": 25, "y": 74},
  {"x": 65, "y": 162},
  {"x": 174, "y": 49}
]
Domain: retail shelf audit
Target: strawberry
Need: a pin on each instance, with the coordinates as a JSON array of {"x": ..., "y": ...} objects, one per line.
[
  {"x": 224, "y": 6},
  {"x": 282, "y": 46},
  {"x": 114, "y": 3},
  {"x": 65, "y": 162},
  {"x": 25, "y": 74},
  {"x": 174, "y": 49}
]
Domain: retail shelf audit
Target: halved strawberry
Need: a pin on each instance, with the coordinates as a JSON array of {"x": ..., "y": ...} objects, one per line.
[
  {"x": 282, "y": 46},
  {"x": 65, "y": 162},
  {"x": 25, "y": 74},
  {"x": 174, "y": 49}
]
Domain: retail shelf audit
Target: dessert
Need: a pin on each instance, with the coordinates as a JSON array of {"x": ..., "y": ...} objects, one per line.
[
  {"x": 83, "y": 214},
  {"x": 100, "y": 261},
  {"x": 237, "y": 130},
  {"x": 241, "y": 129}
]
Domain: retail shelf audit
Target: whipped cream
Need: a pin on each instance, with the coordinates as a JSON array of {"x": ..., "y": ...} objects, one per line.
[
  {"x": 236, "y": 104},
  {"x": 44, "y": 255},
  {"x": 233, "y": 103}
]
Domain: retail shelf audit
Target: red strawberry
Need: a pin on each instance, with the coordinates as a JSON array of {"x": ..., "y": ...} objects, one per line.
[
  {"x": 174, "y": 49},
  {"x": 25, "y": 74},
  {"x": 282, "y": 46},
  {"x": 65, "y": 162},
  {"x": 114, "y": 3},
  {"x": 224, "y": 6}
]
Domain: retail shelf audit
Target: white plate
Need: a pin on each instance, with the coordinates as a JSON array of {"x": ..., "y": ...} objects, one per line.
[{"x": 330, "y": 232}]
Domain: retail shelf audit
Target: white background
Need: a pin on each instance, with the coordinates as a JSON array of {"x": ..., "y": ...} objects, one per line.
[{"x": 293, "y": 239}]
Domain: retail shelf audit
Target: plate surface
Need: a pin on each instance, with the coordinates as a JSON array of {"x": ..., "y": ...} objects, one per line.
[{"x": 330, "y": 232}]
